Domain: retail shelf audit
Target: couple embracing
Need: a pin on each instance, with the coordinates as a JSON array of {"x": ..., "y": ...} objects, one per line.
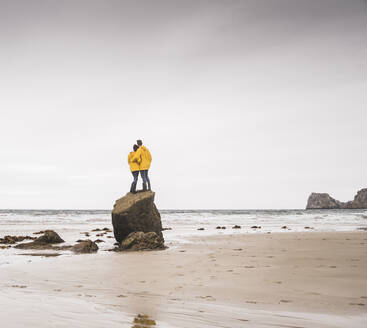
[{"x": 139, "y": 161}]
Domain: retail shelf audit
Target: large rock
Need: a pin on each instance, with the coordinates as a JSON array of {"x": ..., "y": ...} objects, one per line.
[
  {"x": 360, "y": 200},
  {"x": 137, "y": 241},
  {"x": 324, "y": 201},
  {"x": 136, "y": 212},
  {"x": 321, "y": 200}
]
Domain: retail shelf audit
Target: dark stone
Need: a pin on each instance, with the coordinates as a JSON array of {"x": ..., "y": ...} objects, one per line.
[
  {"x": 236, "y": 227},
  {"x": 136, "y": 212},
  {"x": 86, "y": 246},
  {"x": 49, "y": 237},
  {"x": 15, "y": 239},
  {"x": 43, "y": 242},
  {"x": 201, "y": 229},
  {"x": 139, "y": 240},
  {"x": 325, "y": 201}
]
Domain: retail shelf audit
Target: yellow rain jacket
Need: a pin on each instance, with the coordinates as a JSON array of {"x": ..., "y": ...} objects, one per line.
[
  {"x": 144, "y": 158},
  {"x": 132, "y": 159}
]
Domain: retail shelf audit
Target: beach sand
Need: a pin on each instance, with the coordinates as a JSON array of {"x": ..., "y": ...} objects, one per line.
[{"x": 309, "y": 279}]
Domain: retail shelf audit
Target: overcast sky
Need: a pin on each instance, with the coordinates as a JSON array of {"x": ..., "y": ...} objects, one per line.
[{"x": 243, "y": 104}]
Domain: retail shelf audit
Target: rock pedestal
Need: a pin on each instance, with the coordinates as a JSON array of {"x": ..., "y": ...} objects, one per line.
[{"x": 137, "y": 213}]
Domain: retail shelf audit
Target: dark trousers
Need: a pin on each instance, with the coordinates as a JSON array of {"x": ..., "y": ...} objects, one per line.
[
  {"x": 144, "y": 176},
  {"x": 135, "y": 182}
]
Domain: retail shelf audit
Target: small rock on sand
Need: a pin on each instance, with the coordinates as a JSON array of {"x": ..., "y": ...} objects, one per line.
[{"x": 86, "y": 246}]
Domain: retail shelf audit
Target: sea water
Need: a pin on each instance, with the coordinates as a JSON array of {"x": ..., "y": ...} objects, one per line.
[{"x": 72, "y": 224}]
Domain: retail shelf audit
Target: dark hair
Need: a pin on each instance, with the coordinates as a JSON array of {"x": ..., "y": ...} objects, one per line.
[
  {"x": 139, "y": 142},
  {"x": 135, "y": 147}
]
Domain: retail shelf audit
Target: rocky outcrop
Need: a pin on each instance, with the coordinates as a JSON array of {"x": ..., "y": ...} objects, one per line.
[
  {"x": 45, "y": 241},
  {"x": 138, "y": 241},
  {"x": 85, "y": 246},
  {"x": 321, "y": 200},
  {"x": 360, "y": 200},
  {"x": 137, "y": 213},
  {"x": 325, "y": 201}
]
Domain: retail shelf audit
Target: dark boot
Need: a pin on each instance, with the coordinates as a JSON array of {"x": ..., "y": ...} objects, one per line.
[
  {"x": 133, "y": 188},
  {"x": 149, "y": 185},
  {"x": 144, "y": 186}
]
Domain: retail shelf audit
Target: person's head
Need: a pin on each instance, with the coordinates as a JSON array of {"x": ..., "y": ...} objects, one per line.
[
  {"x": 139, "y": 142},
  {"x": 135, "y": 147}
]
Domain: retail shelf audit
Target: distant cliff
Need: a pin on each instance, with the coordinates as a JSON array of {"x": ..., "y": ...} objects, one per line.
[{"x": 325, "y": 201}]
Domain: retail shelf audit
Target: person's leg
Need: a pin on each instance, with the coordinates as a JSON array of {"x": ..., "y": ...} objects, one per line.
[
  {"x": 133, "y": 185},
  {"x": 148, "y": 180},
  {"x": 144, "y": 177}
]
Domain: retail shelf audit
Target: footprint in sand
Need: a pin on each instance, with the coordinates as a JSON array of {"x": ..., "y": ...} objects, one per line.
[
  {"x": 359, "y": 304},
  {"x": 19, "y": 286},
  {"x": 121, "y": 295},
  {"x": 57, "y": 290},
  {"x": 285, "y": 301},
  {"x": 251, "y": 302},
  {"x": 249, "y": 267},
  {"x": 209, "y": 298}
]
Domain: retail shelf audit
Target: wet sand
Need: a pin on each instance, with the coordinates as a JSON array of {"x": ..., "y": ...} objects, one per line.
[{"x": 309, "y": 279}]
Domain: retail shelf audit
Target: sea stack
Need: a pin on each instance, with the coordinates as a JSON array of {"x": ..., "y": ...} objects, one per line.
[
  {"x": 325, "y": 201},
  {"x": 137, "y": 213}
]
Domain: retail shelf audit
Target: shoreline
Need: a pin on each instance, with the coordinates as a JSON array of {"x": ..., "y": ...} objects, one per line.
[{"x": 312, "y": 277}]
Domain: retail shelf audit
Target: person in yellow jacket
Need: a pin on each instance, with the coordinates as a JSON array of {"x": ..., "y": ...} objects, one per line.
[
  {"x": 133, "y": 161},
  {"x": 144, "y": 158}
]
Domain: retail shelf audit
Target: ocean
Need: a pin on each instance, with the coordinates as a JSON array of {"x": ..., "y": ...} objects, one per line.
[{"x": 183, "y": 224}]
